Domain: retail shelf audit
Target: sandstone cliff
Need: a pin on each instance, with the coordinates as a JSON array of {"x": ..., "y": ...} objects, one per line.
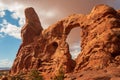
[{"x": 47, "y": 50}]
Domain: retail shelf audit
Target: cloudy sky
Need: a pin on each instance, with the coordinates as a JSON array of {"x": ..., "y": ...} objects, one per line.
[{"x": 49, "y": 12}]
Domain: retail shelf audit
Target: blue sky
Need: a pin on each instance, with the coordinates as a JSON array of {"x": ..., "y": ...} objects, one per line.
[
  {"x": 9, "y": 37},
  {"x": 12, "y": 19}
]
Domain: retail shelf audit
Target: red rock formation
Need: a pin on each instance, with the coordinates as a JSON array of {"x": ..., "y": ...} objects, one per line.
[
  {"x": 101, "y": 44},
  {"x": 48, "y": 51},
  {"x": 100, "y": 55},
  {"x": 32, "y": 28}
]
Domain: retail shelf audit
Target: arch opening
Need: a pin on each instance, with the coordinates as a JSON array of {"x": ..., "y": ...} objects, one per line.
[{"x": 73, "y": 39}]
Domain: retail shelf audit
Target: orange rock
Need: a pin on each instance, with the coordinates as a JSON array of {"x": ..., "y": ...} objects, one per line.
[
  {"x": 4, "y": 78},
  {"x": 47, "y": 50},
  {"x": 32, "y": 28},
  {"x": 101, "y": 45}
]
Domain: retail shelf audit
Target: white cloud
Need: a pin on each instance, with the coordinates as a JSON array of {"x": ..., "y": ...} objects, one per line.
[
  {"x": 15, "y": 16},
  {"x": 6, "y": 27},
  {"x": 2, "y": 13},
  {"x": 15, "y": 7},
  {"x": 18, "y": 8},
  {"x": 75, "y": 49},
  {"x": 21, "y": 22},
  {"x": 48, "y": 14},
  {"x": 4, "y": 22},
  {"x": 5, "y": 63},
  {"x": 10, "y": 29},
  {"x": 47, "y": 17},
  {"x": 1, "y": 36}
]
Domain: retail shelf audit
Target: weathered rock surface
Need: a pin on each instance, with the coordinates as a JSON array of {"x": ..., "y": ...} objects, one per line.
[
  {"x": 101, "y": 45},
  {"x": 32, "y": 28},
  {"x": 47, "y": 50}
]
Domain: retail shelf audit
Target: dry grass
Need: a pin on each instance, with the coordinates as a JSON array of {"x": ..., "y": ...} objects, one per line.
[{"x": 4, "y": 73}]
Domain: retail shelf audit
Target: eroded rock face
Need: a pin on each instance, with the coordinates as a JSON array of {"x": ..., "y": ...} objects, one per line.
[
  {"x": 101, "y": 44},
  {"x": 32, "y": 28},
  {"x": 47, "y": 50}
]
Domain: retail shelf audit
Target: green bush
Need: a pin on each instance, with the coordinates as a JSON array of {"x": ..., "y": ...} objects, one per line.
[
  {"x": 35, "y": 75},
  {"x": 60, "y": 75}
]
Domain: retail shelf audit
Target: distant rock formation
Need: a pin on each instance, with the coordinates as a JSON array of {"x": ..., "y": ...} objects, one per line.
[{"x": 47, "y": 50}]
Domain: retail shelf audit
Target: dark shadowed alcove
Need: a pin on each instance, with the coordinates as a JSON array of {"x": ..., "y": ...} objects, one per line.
[{"x": 52, "y": 47}]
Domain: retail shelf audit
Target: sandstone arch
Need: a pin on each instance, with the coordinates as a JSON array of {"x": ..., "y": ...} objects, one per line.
[
  {"x": 53, "y": 47},
  {"x": 100, "y": 43}
]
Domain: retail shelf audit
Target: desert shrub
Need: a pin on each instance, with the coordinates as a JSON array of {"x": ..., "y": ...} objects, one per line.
[
  {"x": 20, "y": 76},
  {"x": 35, "y": 75},
  {"x": 3, "y": 73},
  {"x": 60, "y": 75}
]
